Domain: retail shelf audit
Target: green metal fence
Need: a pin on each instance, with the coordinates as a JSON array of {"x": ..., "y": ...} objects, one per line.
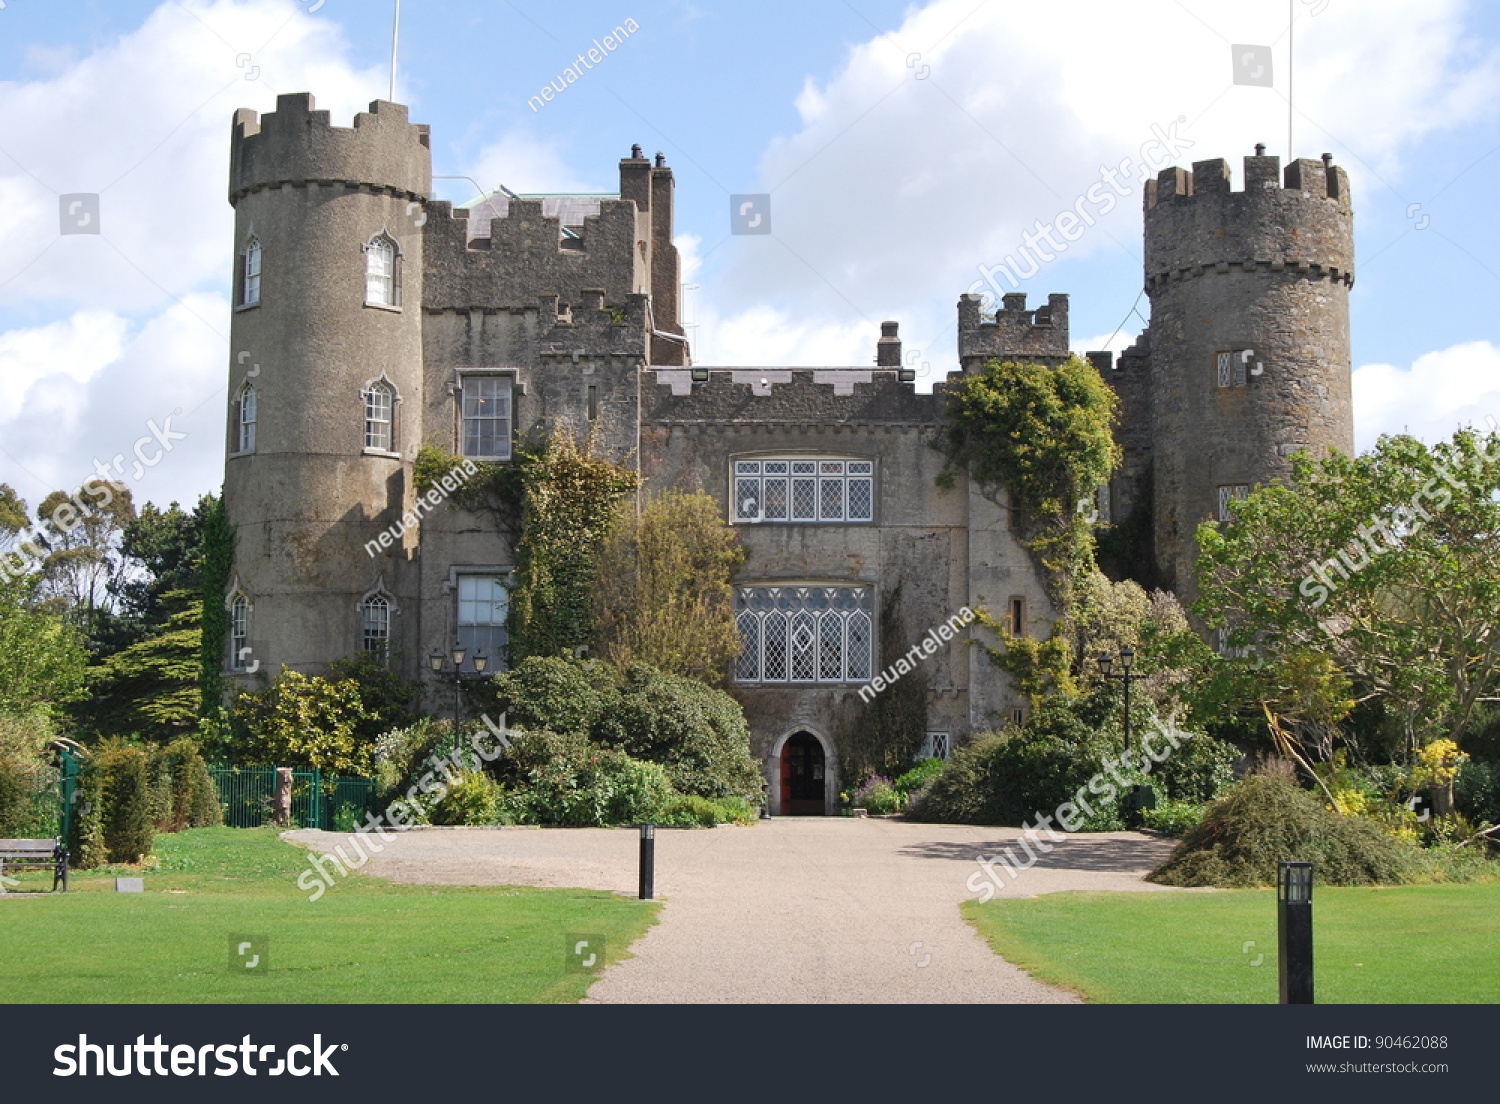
[
  {"x": 248, "y": 795},
  {"x": 37, "y": 813}
]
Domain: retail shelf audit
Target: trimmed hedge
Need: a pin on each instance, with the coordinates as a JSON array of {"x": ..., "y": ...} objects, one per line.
[{"x": 124, "y": 792}]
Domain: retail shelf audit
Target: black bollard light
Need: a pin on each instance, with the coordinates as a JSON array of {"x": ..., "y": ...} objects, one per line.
[
  {"x": 648, "y": 861},
  {"x": 1295, "y": 931}
]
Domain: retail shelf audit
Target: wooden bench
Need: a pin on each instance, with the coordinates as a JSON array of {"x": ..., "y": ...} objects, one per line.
[{"x": 36, "y": 853}]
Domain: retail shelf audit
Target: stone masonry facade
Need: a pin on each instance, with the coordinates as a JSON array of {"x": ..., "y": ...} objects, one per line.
[{"x": 371, "y": 320}]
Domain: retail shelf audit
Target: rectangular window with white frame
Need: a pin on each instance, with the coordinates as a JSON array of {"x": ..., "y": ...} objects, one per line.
[
  {"x": 803, "y": 490},
  {"x": 485, "y": 417},
  {"x": 483, "y": 609}
]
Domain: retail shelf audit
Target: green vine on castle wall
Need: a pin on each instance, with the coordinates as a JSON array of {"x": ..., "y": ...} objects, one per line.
[
  {"x": 1045, "y": 436},
  {"x": 569, "y": 495}
]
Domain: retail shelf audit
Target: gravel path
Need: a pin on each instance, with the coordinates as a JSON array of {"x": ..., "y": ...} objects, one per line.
[{"x": 793, "y": 910}]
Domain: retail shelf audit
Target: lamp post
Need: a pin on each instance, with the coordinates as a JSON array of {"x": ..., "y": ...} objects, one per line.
[
  {"x": 458, "y": 653},
  {"x": 1142, "y": 796},
  {"x": 1294, "y": 886}
]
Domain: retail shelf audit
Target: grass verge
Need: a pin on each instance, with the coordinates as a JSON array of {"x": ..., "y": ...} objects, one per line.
[
  {"x": 1396, "y": 945},
  {"x": 365, "y": 941}
]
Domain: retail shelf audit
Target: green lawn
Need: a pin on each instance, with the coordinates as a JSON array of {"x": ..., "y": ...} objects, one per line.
[
  {"x": 1401, "y": 945},
  {"x": 365, "y": 941}
]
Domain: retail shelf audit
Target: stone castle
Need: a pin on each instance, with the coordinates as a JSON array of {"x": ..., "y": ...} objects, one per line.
[{"x": 370, "y": 320}]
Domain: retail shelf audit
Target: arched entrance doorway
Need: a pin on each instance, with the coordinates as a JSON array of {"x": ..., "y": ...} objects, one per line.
[{"x": 803, "y": 776}]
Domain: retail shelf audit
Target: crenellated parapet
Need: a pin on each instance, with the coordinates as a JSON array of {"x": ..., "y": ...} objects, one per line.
[
  {"x": 775, "y": 398},
  {"x": 1299, "y": 221},
  {"x": 525, "y": 251},
  {"x": 297, "y": 146},
  {"x": 1014, "y": 333}
]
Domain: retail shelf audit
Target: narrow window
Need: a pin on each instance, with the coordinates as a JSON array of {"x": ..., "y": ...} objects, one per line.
[
  {"x": 483, "y": 606},
  {"x": 486, "y": 417},
  {"x": 239, "y": 632},
  {"x": 593, "y": 401},
  {"x": 1234, "y": 368},
  {"x": 376, "y": 626},
  {"x": 1018, "y": 716},
  {"x": 245, "y": 415},
  {"x": 1017, "y": 617},
  {"x": 382, "y": 289},
  {"x": 380, "y": 414},
  {"x": 1232, "y": 492},
  {"x": 250, "y": 294}
]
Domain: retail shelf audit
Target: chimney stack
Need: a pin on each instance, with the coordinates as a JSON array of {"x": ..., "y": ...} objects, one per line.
[{"x": 888, "y": 350}]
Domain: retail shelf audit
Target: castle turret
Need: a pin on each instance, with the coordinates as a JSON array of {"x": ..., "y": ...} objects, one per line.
[
  {"x": 1249, "y": 338},
  {"x": 325, "y": 387}
]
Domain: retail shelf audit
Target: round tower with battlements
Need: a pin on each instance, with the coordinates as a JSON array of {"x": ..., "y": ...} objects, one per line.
[
  {"x": 1249, "y": 336},
  {"x": 325, "y": 382}
]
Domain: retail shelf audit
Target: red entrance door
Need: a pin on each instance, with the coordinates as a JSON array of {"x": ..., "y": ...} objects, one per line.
[{"x": 803, "y": 781}]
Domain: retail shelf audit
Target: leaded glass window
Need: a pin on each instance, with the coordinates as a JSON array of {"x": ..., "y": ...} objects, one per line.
[
  {"x": 805, "y": 634},
  {"x": 796, "y": 489}
]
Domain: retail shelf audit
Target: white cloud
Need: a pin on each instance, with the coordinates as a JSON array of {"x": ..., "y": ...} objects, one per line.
[
  {"x": 898, "y": 185},
  {"x": 524, "y": 162},
  {"x": 142, "y": 121},
  {"x": 107, "y": 382},
  {"x": 139, "y": 322},
  {"x": 1432, "y": 398}
]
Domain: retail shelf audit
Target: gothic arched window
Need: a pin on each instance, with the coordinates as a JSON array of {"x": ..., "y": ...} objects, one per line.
[
  {"x": 382, "y": 272},
  {"x": 380, "y": 417},
  {"x": 239, "y": 631},
  {"x": 250, "y": 277},
  {"x": 375, "y": 617},
  {"x": 244, "y": 420}
]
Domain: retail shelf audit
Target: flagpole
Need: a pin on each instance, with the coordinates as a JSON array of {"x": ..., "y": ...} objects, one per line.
[
  {"x": 395, "y": 39},
  {"x": 1291, "y": 154}
]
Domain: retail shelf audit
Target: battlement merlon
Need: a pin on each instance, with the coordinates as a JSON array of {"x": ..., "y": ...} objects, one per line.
[
  {"x": 1300, "y": 219},
  {"x": 297, "y": 144},
  {"x": 1015, "y": 333}
]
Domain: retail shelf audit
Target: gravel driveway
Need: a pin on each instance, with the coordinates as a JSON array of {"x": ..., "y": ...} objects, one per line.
[{"x": 793, "y": 910}]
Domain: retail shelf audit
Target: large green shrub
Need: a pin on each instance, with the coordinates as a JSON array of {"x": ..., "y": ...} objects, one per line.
[
  {"x": 1012, "y": 777},
  {"x": 698, "y": 734},
  {"x": 124, "y": 793},
  {"x": 304, "y": 721},
  {"x": 1476, "y": 791},
  {"x": 1263, "y": 821},
  {"x": 558, "y": 694},
  {"x": 1200, "y": 769}
]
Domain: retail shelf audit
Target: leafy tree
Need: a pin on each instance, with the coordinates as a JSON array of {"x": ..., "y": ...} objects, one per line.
[
  {"x": 666, "y": 598},
  {"x": 42, "y": 658},
  {"x": 84, "y": 567},
  {"x": 303, "y": 720},
  {"x": 151, "y": 687},
  {"x": 12, "y": 512},
  {"x": 1375, "y": 578}
]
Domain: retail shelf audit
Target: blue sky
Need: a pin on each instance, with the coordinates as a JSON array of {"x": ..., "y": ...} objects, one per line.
[{"x": 903, "y": 146}]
